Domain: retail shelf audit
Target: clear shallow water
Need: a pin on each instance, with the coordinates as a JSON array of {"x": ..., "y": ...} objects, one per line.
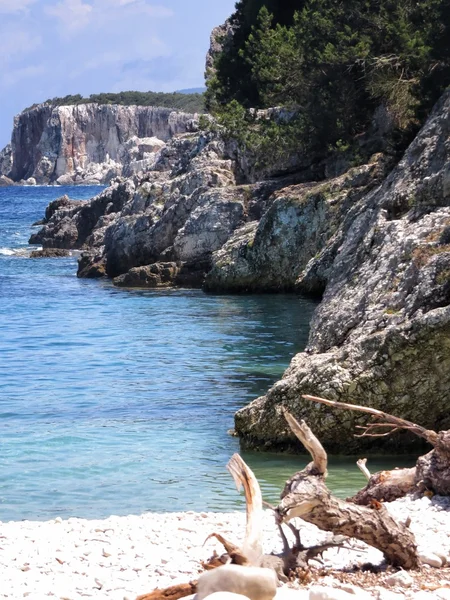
[{"x": 118, "y": 402}]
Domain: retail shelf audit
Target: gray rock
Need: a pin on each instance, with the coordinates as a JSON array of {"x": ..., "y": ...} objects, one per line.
[
  {"x": 428, "y": 558},
  {"x": 50, "y": 253},
  {"x": 401, "y": 579},
  {"x": 5, "y": 181},
  {"x": 295, "y": 228}
]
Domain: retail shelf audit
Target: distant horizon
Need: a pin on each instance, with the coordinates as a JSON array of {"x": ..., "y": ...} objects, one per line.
[{"x": 55, "y": 48}]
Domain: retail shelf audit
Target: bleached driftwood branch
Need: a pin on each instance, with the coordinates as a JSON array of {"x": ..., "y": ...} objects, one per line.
[{"x": 307, "y": 496}]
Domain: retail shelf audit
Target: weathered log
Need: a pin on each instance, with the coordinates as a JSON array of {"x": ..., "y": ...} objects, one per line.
[
  {"x": 432, "y": 471},
  {"x": 291, "y": 559},
  {"x": 306, "y": 496},
  {"x": 387, "y": 486}
]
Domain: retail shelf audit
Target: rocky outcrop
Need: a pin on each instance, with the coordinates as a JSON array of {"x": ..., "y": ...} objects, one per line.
[
  {"x": 220, "y": 37},
  {"x": 5, "y": 181},
  {"x": 381, "y": 335},
  {"x": 6, "y": 161},
  {"x": 272, "y": 254},
  {"x": 88, "y": 143},
  {"x": 50, "y": 253},
  {"x": 182, "y": 210}
]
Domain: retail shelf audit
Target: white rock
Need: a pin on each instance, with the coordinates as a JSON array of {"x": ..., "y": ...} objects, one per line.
[
  {"x": 254, "y": 582},
  {"x": 382, "y": 594},
  {"x": 285, "y": 593},
  {"x": 428, "y": 558},
  {"x": 400, "y": 579},
  {"x": 327, "y": 593},
  {"x": 226, "y": 596}
]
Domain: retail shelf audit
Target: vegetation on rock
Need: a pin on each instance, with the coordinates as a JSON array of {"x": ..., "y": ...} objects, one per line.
[
  {"x": 335, "y": 65},
  {"x": 176, "y": 100}
]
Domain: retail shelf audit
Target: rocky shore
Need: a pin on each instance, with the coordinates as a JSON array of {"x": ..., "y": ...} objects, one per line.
[
  {"x": 122, "y": 557},
  {"x": 372, "y": 242}
]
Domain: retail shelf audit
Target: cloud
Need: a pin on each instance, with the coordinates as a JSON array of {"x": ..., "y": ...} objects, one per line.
[
  {"x": 76, "y": 14},
  {"x": 160, "y": 68},
  {"x": 12, "y": 78},
  {"x": 138, "y": 7},
  {"x": 14, "y": 6},
  {"x": 16, "y": 44},
  {"x": 72, "y": 14}
]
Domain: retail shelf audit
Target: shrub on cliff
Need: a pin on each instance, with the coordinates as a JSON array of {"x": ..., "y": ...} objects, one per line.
[{"x": 190, "y": 103}]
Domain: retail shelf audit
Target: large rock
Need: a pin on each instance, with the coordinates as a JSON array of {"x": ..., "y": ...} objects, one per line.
[
  {"x": 5, "y": 181},
  {"x": 220, "y": 37},
  {"x": 88, "y": 143},
  {"x": 381, "y": 335},
  {"x": 297, "y": 226}
]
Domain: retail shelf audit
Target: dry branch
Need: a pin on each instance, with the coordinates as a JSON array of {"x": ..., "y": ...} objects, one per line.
[
  {"x": 387, "y": 420},
  {"x": 252, "y": 547},
  {"x": 306, "y": 496},
  {"x": 361, "y": 464},
  {"x": 171, "y": 593},
  {"x": 432, "y": 471}
]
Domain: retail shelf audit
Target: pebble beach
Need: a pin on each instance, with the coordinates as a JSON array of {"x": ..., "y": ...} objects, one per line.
[{"x": 119, "y": 558}]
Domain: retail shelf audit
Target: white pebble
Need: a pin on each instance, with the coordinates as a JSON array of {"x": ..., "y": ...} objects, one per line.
[
  {"x": 400, "y": 579},
  {"x": 428, "y": 558}
]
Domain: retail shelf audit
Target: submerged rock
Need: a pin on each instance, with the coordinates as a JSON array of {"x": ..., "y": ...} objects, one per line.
[{"x": 49, "y": 253}]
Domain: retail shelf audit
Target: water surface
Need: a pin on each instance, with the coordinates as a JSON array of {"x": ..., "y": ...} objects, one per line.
[{"x": 118, "y": 401}]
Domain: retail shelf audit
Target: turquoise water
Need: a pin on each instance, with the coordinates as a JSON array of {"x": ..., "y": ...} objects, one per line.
[{"x": 116, "y": 401}]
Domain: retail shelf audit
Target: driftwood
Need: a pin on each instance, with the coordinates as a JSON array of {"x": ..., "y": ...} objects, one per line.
[
  {"x": 306, "y": 496},
  {"x": 431, "y": 473},
  {"x": 171, "y": 593}
]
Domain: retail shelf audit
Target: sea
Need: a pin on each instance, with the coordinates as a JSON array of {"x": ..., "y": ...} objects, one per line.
[{"x": 116, "y": 401}]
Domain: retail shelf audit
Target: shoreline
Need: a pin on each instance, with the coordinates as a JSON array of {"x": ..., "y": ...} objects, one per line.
[{"x": 123, "y": 557}]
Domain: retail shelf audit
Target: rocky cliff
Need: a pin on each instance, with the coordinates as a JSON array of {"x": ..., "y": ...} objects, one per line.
[
  {"x": 381, "y": 335},
  {"x": 88, "y": 143},
  {"x": 375, "y": 242}
]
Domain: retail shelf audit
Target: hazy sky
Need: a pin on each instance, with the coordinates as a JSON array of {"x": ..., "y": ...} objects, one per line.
[{"x": 56, "y": 47}]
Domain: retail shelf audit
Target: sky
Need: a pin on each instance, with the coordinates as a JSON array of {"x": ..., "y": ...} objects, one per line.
[{"x": 52, "y": 48}]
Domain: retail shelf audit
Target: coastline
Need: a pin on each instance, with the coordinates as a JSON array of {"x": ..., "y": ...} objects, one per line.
[{"x": 122, "y": 557}]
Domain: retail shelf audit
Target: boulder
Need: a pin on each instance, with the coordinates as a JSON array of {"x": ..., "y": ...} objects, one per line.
[{"x": 5, "y": 181}]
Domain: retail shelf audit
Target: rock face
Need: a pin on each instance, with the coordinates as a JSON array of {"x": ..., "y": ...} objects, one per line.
[
  {"x": 6, "y": 161},
  {"x": 88, "y": 143},
  {"x": 219, "y": 38},
  {"x": 272, "y": 254},
  {"x": 381, "y": 335}
]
